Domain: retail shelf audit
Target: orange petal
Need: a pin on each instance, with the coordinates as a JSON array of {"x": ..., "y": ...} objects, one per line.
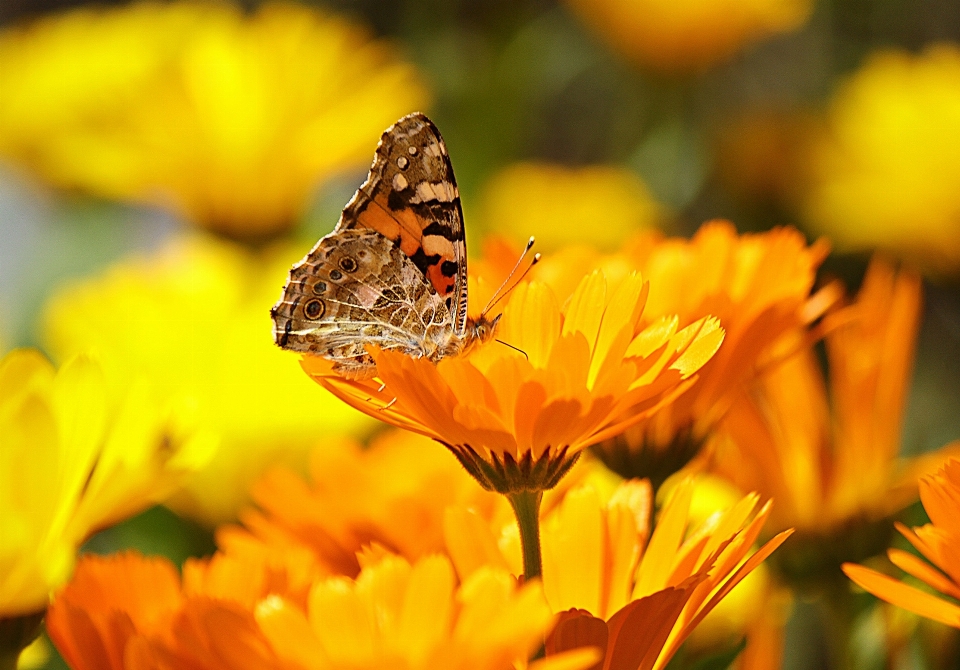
[{"x": 901, "y": 595}]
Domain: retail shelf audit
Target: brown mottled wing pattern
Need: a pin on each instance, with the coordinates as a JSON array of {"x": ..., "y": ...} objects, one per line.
[
  {"x": 411, "y": 198},
  {"x": 355, "y": 288}
]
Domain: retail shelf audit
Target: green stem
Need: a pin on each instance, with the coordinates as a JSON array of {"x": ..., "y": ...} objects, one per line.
[{"x": 526, "y": 506}]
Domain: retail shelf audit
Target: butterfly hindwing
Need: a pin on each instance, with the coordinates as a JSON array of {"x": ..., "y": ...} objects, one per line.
[
  {"x": 353, "y": 289},
  {"x": 411, "y": 198}
]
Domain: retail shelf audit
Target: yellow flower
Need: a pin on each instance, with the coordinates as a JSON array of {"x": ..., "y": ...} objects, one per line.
[
  {"x": 599, "y": 205},
  {"x": 757, "y": 285},
  {"x": 885, "y": 174},
  {"x": 938, "y": 541},
  {"x": 227, "y": 614},
  {"x": 190, "y": 321},
  {"x": 516, "y": 417},
  {"x": 407, "y": 616},
  {"x": 230, "y": 118},
  {"x": 689, "y": 35},
  {"x": 74, "y": 461},
  {"x": 829, "y": 459},
  {"x": 633, "y": 598}
]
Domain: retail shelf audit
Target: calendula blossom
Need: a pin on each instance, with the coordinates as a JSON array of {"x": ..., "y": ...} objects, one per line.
[
  {"x": 637, "y": 596},
  {"x": 238, "y": 615},
  {"x": 830, "y": 458},
  {"x": 73, "y": 461},
  {"x": 687, "y": 36},
  {"x": 392, "y": 494},
  {"x": 570, "y": 378},
  {"x": 938, "y": 542},
  {"x": 759, "y": 287},
  {"x": 600, "y": 205},
  {"x": 230, "y": 118},
  {"x": 884, "y": 173},
  {"x": 189, "y": 321}
]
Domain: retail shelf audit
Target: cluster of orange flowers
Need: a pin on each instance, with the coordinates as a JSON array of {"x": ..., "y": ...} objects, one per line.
[{"x": 667, "y": 358}]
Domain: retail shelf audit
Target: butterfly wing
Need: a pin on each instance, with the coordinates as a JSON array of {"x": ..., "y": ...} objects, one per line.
[
  {"x": 411, "y": 198},
  {"x": 357, "y": 288}
]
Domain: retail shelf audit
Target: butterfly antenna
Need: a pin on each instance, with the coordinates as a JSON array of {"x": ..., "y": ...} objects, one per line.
[
  {"x": 507, "y": 344},
  {"x": 503, "y": 291}
]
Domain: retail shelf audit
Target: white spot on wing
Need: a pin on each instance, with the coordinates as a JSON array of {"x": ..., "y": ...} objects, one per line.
[
  {"x": 442, "y": 191},
  {"x": 399, "y": 182}
]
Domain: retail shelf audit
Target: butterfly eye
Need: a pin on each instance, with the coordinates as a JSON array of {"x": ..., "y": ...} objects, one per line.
[
  {"x": 347, "y": 264},
  {"x": 314, "y": 309}
]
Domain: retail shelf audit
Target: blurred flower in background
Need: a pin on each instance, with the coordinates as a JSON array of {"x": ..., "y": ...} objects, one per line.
[
  {"x": 761, "y": 155},
  {"x": 688, "y": 35},
  {"x": 229, "y": 119},
  {"x": 392, "y": 493},
  {"x": 74, "y": 460},
  {"x": 599, "y": 205},
  {"x": 829, "y": 454},
  {"x": 885, "y": 174},
  {"x": 193, "y": 321}
]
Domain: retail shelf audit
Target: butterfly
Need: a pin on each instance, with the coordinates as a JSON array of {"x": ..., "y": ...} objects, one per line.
[{"x": 393, "y": 273}]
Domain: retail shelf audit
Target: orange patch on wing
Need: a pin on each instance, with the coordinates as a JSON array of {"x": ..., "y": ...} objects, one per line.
[
  {"x": 392, "y": 223},
  {"x": 435, "y": 244},
  {"x": 441, "y": 282}
]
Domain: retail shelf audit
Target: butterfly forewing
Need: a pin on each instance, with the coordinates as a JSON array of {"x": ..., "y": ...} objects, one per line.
[{"x": 411, "y": 198}]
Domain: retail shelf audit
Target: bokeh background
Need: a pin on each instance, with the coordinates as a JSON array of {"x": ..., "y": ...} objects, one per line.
[{"x": 161, "y": 165}]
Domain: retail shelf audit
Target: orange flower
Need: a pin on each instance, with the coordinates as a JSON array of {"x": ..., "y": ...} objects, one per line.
[
  {"x": 392, "y": 494},
  {"x": 127, "y": 612},
  {"x": 757, "y": 285},
  {"x": 405, "y": 616},
  {"x": 517, "y": 416},
  {"x": 830, "y": 459},
  {"x": 938, "y": 541},
  {"x": 613, "y": 589}
]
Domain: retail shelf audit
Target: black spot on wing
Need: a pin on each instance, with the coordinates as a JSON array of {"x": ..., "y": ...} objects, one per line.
[
  {"x": 440, "y": 229},
  {"x": 449, "y": 268},
  {"x": 423, "y": 262},
  {"x": 396, "y": 201}
]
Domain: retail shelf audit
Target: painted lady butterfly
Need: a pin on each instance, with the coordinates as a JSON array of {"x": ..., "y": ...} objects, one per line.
[{"x": 393, "y": 273}]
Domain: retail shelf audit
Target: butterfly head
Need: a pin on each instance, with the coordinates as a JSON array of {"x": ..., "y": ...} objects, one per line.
[{"x": 482, "y": 329}]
